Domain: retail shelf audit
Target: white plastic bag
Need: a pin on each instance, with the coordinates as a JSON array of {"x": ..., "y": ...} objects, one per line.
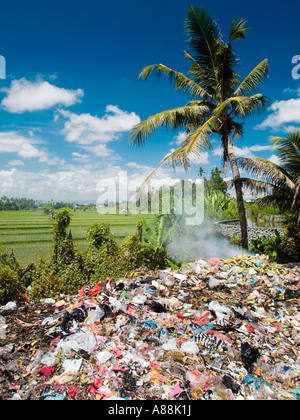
[{"x": 3, "y": 327}]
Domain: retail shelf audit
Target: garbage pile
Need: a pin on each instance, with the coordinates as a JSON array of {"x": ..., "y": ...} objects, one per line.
[{"x": 213, "y": 330}]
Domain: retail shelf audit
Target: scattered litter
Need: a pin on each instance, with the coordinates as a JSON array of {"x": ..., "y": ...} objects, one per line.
[{"x": 212, "y": 330}]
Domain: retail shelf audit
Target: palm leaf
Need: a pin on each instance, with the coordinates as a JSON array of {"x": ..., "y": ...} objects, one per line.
[
  {"x": 242, "y": 106},
  {"x": 203, "y": 36},
  {"x": 238, "y": 30},
  {"x": 226, "y": 78},
  {"x": 200, "y": 76},
  {"x": 255, "y": 186},
  {"x": 288, "y": 150},
  {"x": 181, "y": 82},
  {"x": 171, "y": 119},
  {"x": 253, "y": 80},
  {"x": 269, "y": 171},
  {"x": 149, "y": 231},
  {"x": 194, "y": 145}
]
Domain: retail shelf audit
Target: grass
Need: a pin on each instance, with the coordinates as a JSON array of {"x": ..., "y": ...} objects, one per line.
[{"x": 29, "y": 234}]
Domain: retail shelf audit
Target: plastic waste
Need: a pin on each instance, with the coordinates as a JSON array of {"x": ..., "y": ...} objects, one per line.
[
  {"x": 80, "y": 341},
  {"x": 296, "y": 393},
  {"x": 200, "y": 380},
  {"x": 225, "y": 329},
  {"x": 3, "y": 327},
  {"x": 10, "y": 306},
  {"x": 249, "y": 356},
  {"x": 190, "y": 347}
]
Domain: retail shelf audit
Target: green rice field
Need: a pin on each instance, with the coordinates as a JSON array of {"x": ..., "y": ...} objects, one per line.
[{"x": 29, "y": 234}]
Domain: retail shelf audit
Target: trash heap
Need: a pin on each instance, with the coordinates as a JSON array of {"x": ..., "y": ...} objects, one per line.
[{"x": 213, "y": 330}]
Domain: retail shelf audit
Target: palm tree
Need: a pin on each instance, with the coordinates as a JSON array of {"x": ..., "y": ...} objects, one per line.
[
  {"x": 200, "y": 172},
  {"x": 220, "y": 99},
  {"x": 279, "y": 182}
]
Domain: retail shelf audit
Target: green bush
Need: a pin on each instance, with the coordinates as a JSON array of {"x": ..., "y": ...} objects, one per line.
[
  {"x": 282, "y": 248},
  {"x": 270, "y": 246},
  {"x": 11, "y": 287},
  {"x": 68, "y": 270},
  {"x": 99, "y": 236}
]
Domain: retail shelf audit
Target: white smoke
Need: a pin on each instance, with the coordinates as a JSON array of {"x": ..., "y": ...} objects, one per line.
[{"x": 203, "y": 242}]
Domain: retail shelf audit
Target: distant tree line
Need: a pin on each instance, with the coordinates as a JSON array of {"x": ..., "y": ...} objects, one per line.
[{"x": 17, "y": 203}]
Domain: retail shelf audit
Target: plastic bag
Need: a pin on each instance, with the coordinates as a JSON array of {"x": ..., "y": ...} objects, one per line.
[
  {"x": 190, "y": 347},
  {"x": 3, "y": 327},
  {"x": 250, "y": 356}
]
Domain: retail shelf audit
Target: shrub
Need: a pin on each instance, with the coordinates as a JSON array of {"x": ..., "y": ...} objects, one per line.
[
  {"x": 99, "y": 236},
  {"x": 63, "y": 245},
  {"x": 282, "y": 248},
  {"x": 11, "y": 287}
]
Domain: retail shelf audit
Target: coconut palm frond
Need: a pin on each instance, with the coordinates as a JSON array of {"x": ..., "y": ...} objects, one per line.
[
  {"x": 226, "y": 78},
  {"x": 203, "y": 36},
  {"x": 237, "y": 130},
  {"x": 267, "y": 170},
  {"x": 238, "y": 30},
  {"x": 255, "y": 186},
  {"x": 253, "y": 80},
  {"x": 198, "y": 74},
  {"x": 243, "y": 106},
  {"x": 288, "y": 150},
  {"x": 199, "y": 140},
  {"x": 181, "y": 82},
  {"x": 273, "y": 200},
  {"x": 194, "y": 146},
  {"x": 171, "y": 119}
]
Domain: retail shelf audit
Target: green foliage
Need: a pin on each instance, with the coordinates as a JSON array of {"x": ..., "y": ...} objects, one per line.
[
  {"x": 47, "y": 207},
  {"x": 63, "y": 244},
  {"x": 261, "y": 209},
  {"x": 99, "y": 236},
  {"x": 11, "y": 287},
  {"x": 219, "y": 206},
  {"x": 17, "y": 204},
  {"x": 157, "y": 238},
  {"x": 103, "y": 259},
  {"x": 269, "y": 246},
  {"x": 216, "y": 183},
  {"x": 281, "y": 248}
]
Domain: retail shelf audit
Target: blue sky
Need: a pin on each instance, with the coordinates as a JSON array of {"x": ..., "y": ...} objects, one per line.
[{"x": 71, "y": 92}]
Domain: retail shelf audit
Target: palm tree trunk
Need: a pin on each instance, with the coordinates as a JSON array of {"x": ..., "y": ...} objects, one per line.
[{"x": 239, "y": 192}]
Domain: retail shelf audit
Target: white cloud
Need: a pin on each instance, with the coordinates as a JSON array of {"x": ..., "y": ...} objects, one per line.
[
  {"x": 101, "y": 150},
  {"x": 283, "y": 112},
  {"x": 78, "y": 183},
  {"x": 16, "y": 162},
  {"x": 275, "y": 159},
  {"x": 80, "y": 156},
  {"x": 86, "y": 129},
  {"x": 258, "y": 148},
  {"x": 200, "y": 160},
  {"x": 136, "y": 165},
  {"x": 92, "y": 132},
  {"x": 24, "y": 95},
  {"x": 7, "y": 181},
  {"x": 246, "y": 152},
  {"x": 12, "y": 142},
  {"x": 179, "y": 139}
]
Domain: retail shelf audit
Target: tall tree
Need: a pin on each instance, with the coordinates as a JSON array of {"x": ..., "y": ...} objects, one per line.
[
  {"x": 220, "y": 98},
  {"x": 279, "y": 182}
]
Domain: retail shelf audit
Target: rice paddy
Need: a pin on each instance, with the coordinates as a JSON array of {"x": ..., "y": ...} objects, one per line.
[{"x": 30, "y": 234}]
